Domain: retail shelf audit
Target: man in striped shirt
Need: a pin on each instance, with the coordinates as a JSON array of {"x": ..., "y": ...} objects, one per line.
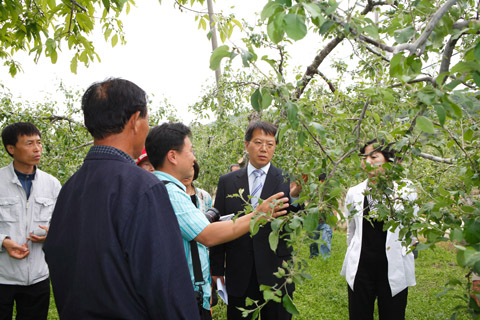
[{"x": 171, "y": 153}]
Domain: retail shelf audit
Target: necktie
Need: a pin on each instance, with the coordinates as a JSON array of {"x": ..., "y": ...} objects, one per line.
[{"x": 256, "y": 187}]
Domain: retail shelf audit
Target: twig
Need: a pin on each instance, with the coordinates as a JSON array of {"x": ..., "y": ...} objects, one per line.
[
  {"x": 362, "y": 116},
  {"x": 318, "y": 143},
  {"x": 424, "y": 79},
  {"x": 329, "y": 83},
  {"x": 435, "y": 158}
]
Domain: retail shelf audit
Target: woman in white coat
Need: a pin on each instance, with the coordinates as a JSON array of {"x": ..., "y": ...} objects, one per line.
[{"x": 376, "y": 265}]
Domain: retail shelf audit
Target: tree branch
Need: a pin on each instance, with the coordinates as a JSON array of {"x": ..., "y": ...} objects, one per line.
[
  {"x": 329, "y": 83},
  {"x": 377, "y": 54},
  {"x": 318, "y": 143},
  {"x": 450, "y": 46},
  {"x": 312, "y": 68},
  {"x": 362, "y": 116},
  {"x": 82, "y": 145},
  {"x": 424, "y": 79},
  {"x": 435, "y": 158}
]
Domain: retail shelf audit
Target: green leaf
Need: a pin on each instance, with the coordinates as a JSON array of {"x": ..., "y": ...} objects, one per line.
[
  {"x": 295, "y": 26},
  {"x": 465, "y": 67},
  {"x": 310, "y": 221},
  {"x": 468, "y": 135},
  {"x": 476, "y": 52},
  {"x": 217, "y": 56},
  {"x": 313, "y": 9},
  {"x": 332, "y": 7},
  {"x": 302, "y": 136},
  {"x": 266, "y": 98},
  {"x": 372, "y": 31},
  {"x": 73, "y": 65},
  {"x": 326, "y": 26},
  {"x": 396, "y": 65},
  {"x": 276, "y": 28},
  {"x": 51, "y": 4},
  {"x": 256, "y": 100},
  {"x": 292, "y": 114},
  {"x": 114, "y": 40},
  {"x": 53, "y": 56},
  {"x": 456, "y": 235},
  {"x": 426, "y": 96},
  {"x": 472, "y": 231},
  {"x": 288, "y": 305},
  {"x": 403, "y": 35},
  {"x": 273, "y": 240},
  {"x": 441, "y": 113},
  {"x": 476, "y": 78},
  {"x": 246, "y": 57},
  {"x": 425, "y": 124},
  {"x": 270, "y": 9}
]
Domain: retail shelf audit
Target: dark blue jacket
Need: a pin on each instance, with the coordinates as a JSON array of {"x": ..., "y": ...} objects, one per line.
[{"x": 114, "y": 247}]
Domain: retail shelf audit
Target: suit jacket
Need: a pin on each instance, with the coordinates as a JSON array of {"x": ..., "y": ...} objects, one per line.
[{"x": 236, "y": 259}]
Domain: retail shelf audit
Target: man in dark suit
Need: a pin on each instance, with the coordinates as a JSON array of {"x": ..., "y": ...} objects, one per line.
[{"x": 248, "y": 262}]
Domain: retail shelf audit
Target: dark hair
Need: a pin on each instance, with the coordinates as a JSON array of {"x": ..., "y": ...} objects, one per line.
[
  {"x": 11, "y": 133},
  {"x": 264, "y": 126},
  {"x": 163, "y": 138},
  {"x": 107, "y": 106},
  {"x": 322, "y": 177},
  {"x": 387, "y": 150},
  {"x": 196, "y": 170},
  {"x": 233, "y": 165}
]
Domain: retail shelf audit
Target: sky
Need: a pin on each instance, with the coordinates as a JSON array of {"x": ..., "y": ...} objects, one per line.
[{"x": 166, "y": 55}]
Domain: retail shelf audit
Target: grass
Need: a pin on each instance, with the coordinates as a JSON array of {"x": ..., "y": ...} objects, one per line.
[{"x": 325, "y": 296}]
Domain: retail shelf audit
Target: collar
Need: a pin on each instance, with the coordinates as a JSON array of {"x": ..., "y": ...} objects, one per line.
[
  {"x": 165, "y": 176},
  {"x": 251, "y": 168},
  {"x": 24, "y": 176},
  {"x": 110, "y": 150}
]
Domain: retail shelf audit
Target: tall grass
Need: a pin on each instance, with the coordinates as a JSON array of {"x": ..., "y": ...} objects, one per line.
[{"x": 325, "y": 296}]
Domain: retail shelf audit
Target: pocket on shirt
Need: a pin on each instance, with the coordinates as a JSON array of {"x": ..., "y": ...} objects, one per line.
[
  {"x": 9, "y": 209},
  {"x": 43, "y": 209}
]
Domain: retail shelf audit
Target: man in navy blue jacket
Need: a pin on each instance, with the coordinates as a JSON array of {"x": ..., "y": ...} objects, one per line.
[{"x": 114, "y": 247}]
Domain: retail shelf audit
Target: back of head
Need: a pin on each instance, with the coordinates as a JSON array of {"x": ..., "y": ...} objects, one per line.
[
  {"x": 163, "y": 138},
  {"x": 267, "y": 127},
  {"x": 108, "y": 105},
  {"x": 11, "y": 133}
]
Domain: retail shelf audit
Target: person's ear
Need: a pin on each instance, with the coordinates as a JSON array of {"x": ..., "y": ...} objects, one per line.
[
  {"x": 134, "y": 121},
  {"x": 172, "y": 157},
  {"x": 11, "y": 149}
]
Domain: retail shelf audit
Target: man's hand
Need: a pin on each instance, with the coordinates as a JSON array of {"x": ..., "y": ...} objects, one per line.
[
  {"x": 222, "y": 278},
  {"x": 280, "y": 204},
  {"x": 15, "y": 250},
  {"x": 39, "y": 239}
]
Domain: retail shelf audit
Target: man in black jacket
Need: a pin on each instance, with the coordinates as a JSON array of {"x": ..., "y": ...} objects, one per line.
[
  {"x": 114, "y": 247},
  {"x": 248, "y": 262}
]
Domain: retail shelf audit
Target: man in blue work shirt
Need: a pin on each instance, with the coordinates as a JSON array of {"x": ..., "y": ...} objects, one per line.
[{"x": 171, "y": 153}]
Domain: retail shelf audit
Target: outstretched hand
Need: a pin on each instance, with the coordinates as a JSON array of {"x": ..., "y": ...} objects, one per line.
[
  {"x": 274, "y": 206},
  {"x": 15, "y": 250}
]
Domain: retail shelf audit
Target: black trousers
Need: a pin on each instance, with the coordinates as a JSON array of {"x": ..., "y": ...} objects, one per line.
[
  {"x": 271, "y": 311},
  {"x": 371, "y": 282},
  {"x": 32, "y": 301}
]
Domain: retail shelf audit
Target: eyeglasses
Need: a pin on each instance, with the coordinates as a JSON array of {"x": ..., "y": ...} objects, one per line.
[{"x": 258, "y": 144}]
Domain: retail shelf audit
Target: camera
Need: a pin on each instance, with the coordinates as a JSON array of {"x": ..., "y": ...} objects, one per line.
[{"x": 212, "y": 215}]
